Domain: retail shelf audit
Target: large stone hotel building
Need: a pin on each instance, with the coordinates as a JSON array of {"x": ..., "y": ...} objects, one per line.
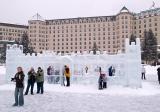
[{"x": 80, "y": 34}]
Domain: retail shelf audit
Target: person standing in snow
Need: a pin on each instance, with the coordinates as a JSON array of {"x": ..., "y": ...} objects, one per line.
[
  {"x": 86, "y": 69},
  {"x": 158, "y": 73},
  {"x": 49, "y": 74},
  {"x": 19, "y": 79},
  {"x": 31, "y": 81},
  {"x": 110, "y": 71},
  {"x": 40, "y": 80},
  {"x": 68, "y": 75},
  {"x": 104, "y": 81},
  {"x": 63, "y": 75},
  {"x": 143, "y": 73},
  {"x": 100, "y": 81}
]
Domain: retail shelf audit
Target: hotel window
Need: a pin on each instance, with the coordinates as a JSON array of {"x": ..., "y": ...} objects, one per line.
[
  {"x": 155, "y": 34},
  {"x": 155, "y": 29},
  {"x": 155, "y": 24}
]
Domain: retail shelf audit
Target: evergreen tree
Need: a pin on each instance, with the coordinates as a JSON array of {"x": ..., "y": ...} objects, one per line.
[
  {"x": 149, "y": 47},
  {"x": 132, "y": 39},
  {"x": 95, "y": 48},
  {"x": 3, "y": 54},
  {"x": 25, "y": 43}
]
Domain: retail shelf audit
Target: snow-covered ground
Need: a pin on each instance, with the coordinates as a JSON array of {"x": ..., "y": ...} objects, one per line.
[{"x": 82, "y": 98}]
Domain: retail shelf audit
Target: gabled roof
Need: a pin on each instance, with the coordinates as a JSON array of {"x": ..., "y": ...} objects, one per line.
[{"x": 124, "y": 9}]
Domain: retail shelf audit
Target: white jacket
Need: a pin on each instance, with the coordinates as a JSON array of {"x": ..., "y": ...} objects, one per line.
[{"x": 143, "y": 69}]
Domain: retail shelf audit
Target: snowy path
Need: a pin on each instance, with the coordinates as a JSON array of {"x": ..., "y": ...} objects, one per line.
[
  {"x": 80, "y": 98},
  {"x": 71, "y": 102}
]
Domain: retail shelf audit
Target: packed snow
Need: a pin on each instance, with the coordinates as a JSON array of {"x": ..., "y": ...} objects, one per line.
[{"x": 86, "y": 98}]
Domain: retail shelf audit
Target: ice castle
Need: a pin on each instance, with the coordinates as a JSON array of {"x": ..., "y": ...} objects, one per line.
[{"x": 127, "y": 65}]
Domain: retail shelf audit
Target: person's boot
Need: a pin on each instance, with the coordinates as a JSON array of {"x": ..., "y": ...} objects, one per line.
[{"x": 14, "y": 105}]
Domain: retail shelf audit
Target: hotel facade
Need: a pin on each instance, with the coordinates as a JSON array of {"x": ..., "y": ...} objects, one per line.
[{"x": 80, "y": 34}]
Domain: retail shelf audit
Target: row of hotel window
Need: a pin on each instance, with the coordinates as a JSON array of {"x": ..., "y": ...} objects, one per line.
[
  {"x": 10, "y": 38},
  {"x": 82, "y": 30},
  {"x": 81, "y": 26},
  {"x": 81, "y": 34},
  {"x": 85, "y": 20},
  {"x": 11, "y": 34},
  {"x": 13, "y": 30},
  {"x": 80, "y": 48},
  {"x": 80, "y": 43}
]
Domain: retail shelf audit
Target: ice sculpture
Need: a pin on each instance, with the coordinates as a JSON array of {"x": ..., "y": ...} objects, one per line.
[{"x": 127, "y": 65}]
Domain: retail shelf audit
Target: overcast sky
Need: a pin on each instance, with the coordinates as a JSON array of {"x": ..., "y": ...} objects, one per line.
[{"x": 20, "y": 11}]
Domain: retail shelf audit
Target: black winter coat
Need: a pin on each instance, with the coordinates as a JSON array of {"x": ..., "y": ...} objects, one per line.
[
  {"x": 19, "y": 79},
  {"x": 31, "y": 77}
]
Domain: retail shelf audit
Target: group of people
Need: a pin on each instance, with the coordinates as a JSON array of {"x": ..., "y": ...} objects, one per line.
[
  {"x": 38, "y": 77},
  {"x": 33, "y": 77}
]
